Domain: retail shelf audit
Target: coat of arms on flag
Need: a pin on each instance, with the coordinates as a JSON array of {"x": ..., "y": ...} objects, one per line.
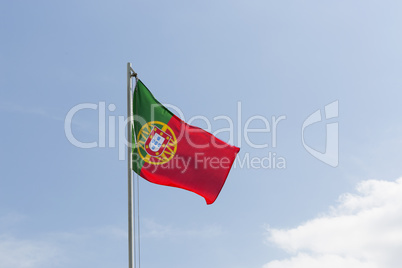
[{"x": 156, "y": 143}]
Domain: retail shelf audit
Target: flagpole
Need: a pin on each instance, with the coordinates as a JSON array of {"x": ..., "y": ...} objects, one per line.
[{"x": 130, "y": 74}]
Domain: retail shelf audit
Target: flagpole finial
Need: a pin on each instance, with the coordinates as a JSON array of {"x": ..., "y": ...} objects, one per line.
[{"x": 131, "y": 71}]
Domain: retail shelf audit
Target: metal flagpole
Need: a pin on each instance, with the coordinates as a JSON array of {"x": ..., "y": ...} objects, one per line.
[{"x": 131, "y": 247}]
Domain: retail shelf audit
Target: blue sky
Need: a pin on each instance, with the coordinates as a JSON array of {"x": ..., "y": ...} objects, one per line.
[{"x": 63, "y": 206}]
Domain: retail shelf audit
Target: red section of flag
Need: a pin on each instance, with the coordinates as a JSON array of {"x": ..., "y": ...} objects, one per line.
[{"x": 201, "y": 163}]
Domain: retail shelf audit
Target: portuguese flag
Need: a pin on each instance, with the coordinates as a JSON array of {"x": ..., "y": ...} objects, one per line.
[{"x": 170, "y": 152}]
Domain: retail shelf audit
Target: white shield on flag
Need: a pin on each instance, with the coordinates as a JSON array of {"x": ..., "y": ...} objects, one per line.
[{"x": 156, "y": 142}]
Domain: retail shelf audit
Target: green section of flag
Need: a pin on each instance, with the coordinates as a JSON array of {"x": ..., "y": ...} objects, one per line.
[
  {"x": 136, "y": 158},
  {"x": 145, "y": 109}
]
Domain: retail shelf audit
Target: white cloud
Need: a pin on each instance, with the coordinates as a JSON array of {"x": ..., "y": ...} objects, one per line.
[
  {"x": 364, "y": 230},
  {"x": 16, "y": 253},
  {"x": 78, "y": 248},
  {"x": 37, "y": 111},
  {"x": 155, "y": 230},
  {"x": 319, "y": 261},
  {"x": 10, "y": 219},
  {"x": 113, "y": 232}
]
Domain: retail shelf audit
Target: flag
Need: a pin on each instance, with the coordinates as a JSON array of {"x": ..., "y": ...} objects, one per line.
[{"x": 170, "y": 152}]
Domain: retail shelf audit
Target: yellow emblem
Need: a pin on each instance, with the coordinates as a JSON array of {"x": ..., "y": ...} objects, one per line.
[{"x": 156, "y": 143}]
